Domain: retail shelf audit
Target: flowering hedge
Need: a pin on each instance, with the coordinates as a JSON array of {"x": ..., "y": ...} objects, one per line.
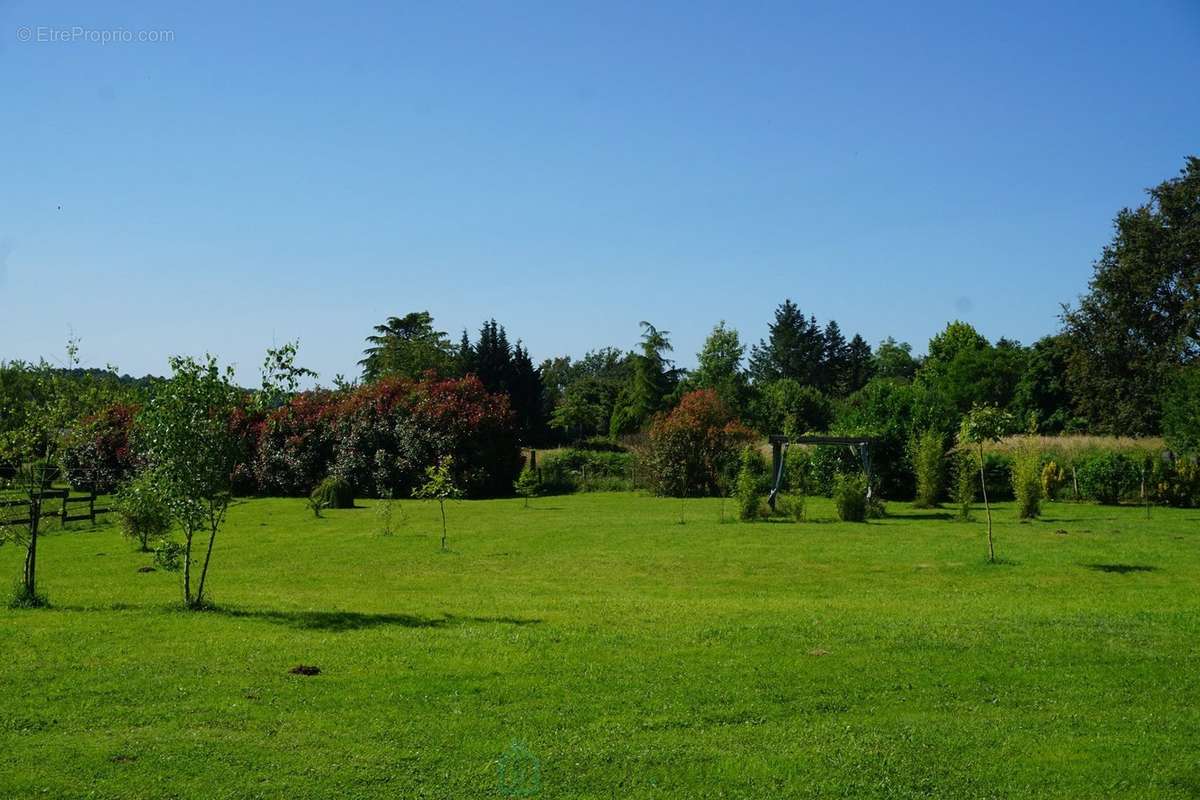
[
  {"x": 97, "y": 455},
  {"x": 694, "y": 448},
  {"x": 381, "y": 437}
]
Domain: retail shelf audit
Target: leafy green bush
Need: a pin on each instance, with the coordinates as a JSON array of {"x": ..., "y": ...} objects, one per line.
[
  {"x": 527, "y": 485},
  {"x": 576, "y": 470},
  {"x": 143, "y": 514},
  {"x": 750, "y": 485},
  {"x": 1176, "y": 481},
  {"x": 929, "y": 466},
  {"x": 169, "y": 555},
  {"x": 1053, "y": 479},
  {"x": 1027, "y": 481},
  {"x": 792, "y": 505},
  {"x": 850, "y": 497},
  {"x": 1107, "y": 477},
  {"x": 334, "y": 492}
]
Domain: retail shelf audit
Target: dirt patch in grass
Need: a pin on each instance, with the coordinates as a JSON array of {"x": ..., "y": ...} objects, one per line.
[{"x": 305, "y": 669}]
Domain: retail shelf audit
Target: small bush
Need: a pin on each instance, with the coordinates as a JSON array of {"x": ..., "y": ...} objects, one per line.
[
  {"x": 1027, "y": 481},
  {"x": 930, "y": 469},
  {"x": 142, "y": 511},
  {"x": 1053, "y": 479},
  {"x": 168, "y": 555},
  {"x": 792, "y": 505},
  {"x": 850, "y": 497},
  {"x": 333, "y": 492},
  {"x": 527, "y": 485},
  {"x": 1107, "y": 477},
  {"x": 1176, "y": 482},
  {"x": 750, "y": 482},
  {"x": 22, "y": 598},
  {"x": 576, "y": 470}
]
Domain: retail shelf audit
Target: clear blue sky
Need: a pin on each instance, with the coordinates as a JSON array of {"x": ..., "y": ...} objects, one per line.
[{"x": 283, "y": 171}]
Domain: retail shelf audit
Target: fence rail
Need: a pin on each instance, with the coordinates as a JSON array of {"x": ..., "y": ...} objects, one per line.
[{"x": 63, "y": 512}]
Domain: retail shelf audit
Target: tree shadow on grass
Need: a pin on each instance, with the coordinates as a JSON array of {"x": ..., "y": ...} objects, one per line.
[
  {"x": 926, "y": 515},
  {"x": 341, "y": 621},
  {"x": 1121, "y": 569}
]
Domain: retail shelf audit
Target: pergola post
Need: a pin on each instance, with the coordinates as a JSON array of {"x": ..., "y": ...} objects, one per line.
[{"x": 776, "y": 466}]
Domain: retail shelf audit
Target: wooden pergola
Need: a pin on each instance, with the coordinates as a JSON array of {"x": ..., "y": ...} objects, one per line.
[{"x": 860, "y": 445}]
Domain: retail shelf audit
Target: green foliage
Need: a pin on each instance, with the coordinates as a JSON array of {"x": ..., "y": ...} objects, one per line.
[
  {"x": 654, "y": 377},
  {"x": 527, "y": 484},
  {"x": 386, "y": 512},
  {"x": 22, "y": 597},
  {"x": 793, "y": 409},
  {"x": 580, "y": 470},
  {"x": 407, "y": 347},
  {"x": 1181, "y": 412},
  {"x": 751, "y": 484},
  {"x": 792, "y": 504},
  {"x": 144, "y": 514},
  {"x": 966, "y": 482},
  {"x": 1108, "y": 477},
  {"x": 1139, "y": 321},
  {"x": 1053, "y": 479},
  {"x": 930, "y": 468},
  {"x": 893, "y": 360},
  {"x": 439, "y": 486},
  {"x": 690, "y": 447},
  {"x": 315, "y": 503},
  {"x": 281, "y": 377},
  {"x": 191, "y": 453},
  {"x": 169, "y": 555},
  {"x": 719, "y": 366},
  {"x": 333, "y": 492},
  {"x": 1027, "y": 480},
  {"x": 984, "y": 424},
  {"x": 850, "y": 498},
  {"x": 964, "y": 370}
]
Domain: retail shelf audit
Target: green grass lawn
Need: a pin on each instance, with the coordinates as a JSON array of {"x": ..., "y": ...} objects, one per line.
[{"x": 630, "y": 655}]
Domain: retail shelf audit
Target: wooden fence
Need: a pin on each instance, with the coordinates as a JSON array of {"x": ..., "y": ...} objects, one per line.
[{"x": 63, "y": 512}]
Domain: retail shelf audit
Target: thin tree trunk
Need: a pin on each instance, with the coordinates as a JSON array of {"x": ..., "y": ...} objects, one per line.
[
  {"x": 987, "y": 508},
  {"x": 442, "y": 506},
  {"x": 204, "y": 572},
  {"x": 187, "y": 567},
  {"x": 35, "y": 513}
]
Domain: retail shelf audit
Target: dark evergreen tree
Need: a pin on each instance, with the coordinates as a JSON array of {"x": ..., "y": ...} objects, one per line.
[
  {"x": 525, "y": 392},
  {"x": 654, "y": 378},
  {"x": 832, "y": 376},
  {"x": 464, "y": 355},
  {"x": 493, "y": 358},
  {"x": 860, "y": 364},
  {"x": 794, "y": 348}
]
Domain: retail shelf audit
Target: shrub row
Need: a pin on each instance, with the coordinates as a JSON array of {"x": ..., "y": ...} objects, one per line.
[
  {"x": 377, "y": 439},
  {"x": 577, "y": 470}
]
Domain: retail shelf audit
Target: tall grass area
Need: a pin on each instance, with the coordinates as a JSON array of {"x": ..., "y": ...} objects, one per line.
[{"x": 629, "y": 655}]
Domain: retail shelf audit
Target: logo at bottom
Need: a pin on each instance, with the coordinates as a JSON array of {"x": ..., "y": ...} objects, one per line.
[{"x": 519, "y": 772}]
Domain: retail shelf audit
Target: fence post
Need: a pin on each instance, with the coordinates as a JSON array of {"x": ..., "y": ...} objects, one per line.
[{"x": 63, "y": 513}]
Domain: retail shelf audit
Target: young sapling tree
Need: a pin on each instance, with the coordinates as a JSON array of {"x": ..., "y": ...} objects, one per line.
[
  {"x": 439, "y": 485},
  {"x": 191, "y": 453},
  {"x": 527, "y": 485},
  {"x": 983, "y": 425}
]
